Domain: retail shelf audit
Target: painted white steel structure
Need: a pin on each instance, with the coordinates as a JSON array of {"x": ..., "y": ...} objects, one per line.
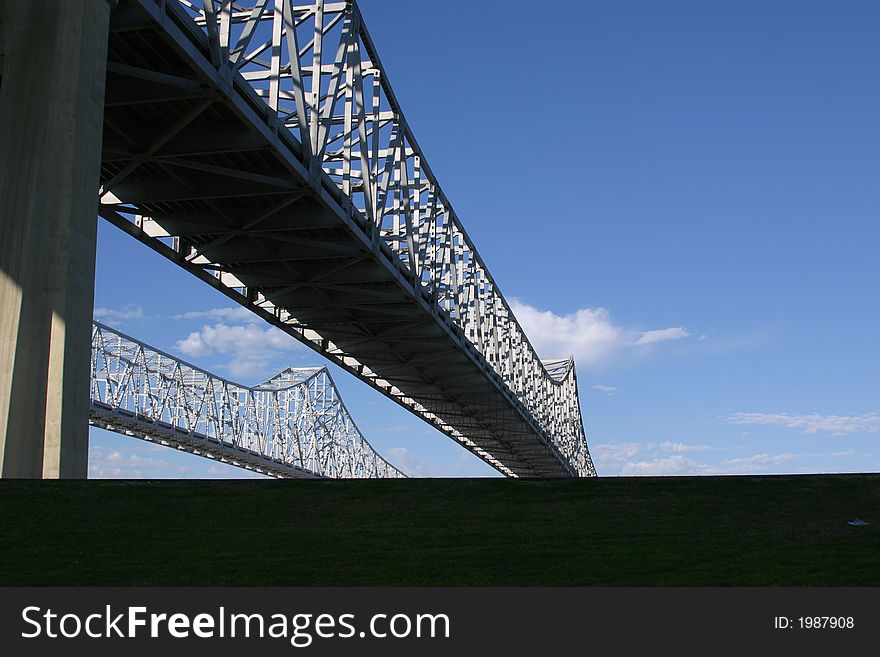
[
  {"x": 259, "y": 145},
  {"x": 293, "y": 425}
]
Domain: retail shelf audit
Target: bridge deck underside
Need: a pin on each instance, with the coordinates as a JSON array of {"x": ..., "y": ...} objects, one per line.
[{"x": 202, "y": 159}]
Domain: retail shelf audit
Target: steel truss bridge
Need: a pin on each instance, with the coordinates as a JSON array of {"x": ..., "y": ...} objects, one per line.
[
  {"x": 293, "y": 425},
  {"x": 259, "y": 145}
]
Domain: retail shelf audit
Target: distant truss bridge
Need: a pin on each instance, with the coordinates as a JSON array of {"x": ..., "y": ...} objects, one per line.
[{"x": 293, "y": 425}]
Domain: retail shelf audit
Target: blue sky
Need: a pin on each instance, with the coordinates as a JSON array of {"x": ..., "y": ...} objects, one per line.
[{"x": 682, "y": 194}]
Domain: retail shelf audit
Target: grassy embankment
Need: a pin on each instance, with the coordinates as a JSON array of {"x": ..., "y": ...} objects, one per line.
[{"x": 616, "y": 531}]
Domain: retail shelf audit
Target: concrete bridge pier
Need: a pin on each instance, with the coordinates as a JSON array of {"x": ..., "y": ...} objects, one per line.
[{"x": 52, "y": 60}]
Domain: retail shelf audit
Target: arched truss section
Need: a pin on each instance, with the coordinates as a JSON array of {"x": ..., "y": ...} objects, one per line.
[{"x": 293, "y": 425}]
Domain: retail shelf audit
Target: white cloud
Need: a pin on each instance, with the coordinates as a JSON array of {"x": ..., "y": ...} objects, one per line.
[
  {"x": 588, "y": 333},
  {"x": 252, "y": 347},
  {"x": 234, "y": 314},
  {"x": 223, "y": 339},
  {"x": 671, "y": 465},
  {"x": 669, "y": 446},
  {"x": 835, "y": 424},
  {"x": 118, "y": 314},
  {"x": 756, "y": 462},
  {"x": 136, "y": 459},
  {"x": 680, "y": 465},
  {"x": 402, "y": 458},
  {"x": 608, "y": 390},
  {"x": 614, "y": 453},
  {"x": 671, "y": 458},
  {"x": 662, "y": 335},
  {"x": 131, "y": 463}
]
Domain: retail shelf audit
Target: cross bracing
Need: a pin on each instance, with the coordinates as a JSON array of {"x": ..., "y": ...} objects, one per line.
[
  {"x": 293, "y": 425},
  {"x": 260, "y": 146}
]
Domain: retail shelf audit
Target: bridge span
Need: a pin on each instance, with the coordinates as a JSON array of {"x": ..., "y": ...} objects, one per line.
[
  {"x": 259, "y": 145},
  {"x": 295, "y": 425}
]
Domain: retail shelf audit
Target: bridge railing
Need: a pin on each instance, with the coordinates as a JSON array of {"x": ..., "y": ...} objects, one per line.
[
  {"x": 318, "y": 71},
  {"x": 294, "y": 424}
]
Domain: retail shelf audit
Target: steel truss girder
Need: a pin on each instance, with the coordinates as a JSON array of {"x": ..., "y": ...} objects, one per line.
[
  {"x": 327, "y": 119},
  {"x": 293, "y": 425}
]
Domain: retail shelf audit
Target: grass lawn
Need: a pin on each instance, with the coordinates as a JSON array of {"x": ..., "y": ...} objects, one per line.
[{"x": 682, "y": 531}]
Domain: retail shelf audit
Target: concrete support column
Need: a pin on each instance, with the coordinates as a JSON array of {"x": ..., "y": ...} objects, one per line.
[{"x": 54, "y": 55}]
